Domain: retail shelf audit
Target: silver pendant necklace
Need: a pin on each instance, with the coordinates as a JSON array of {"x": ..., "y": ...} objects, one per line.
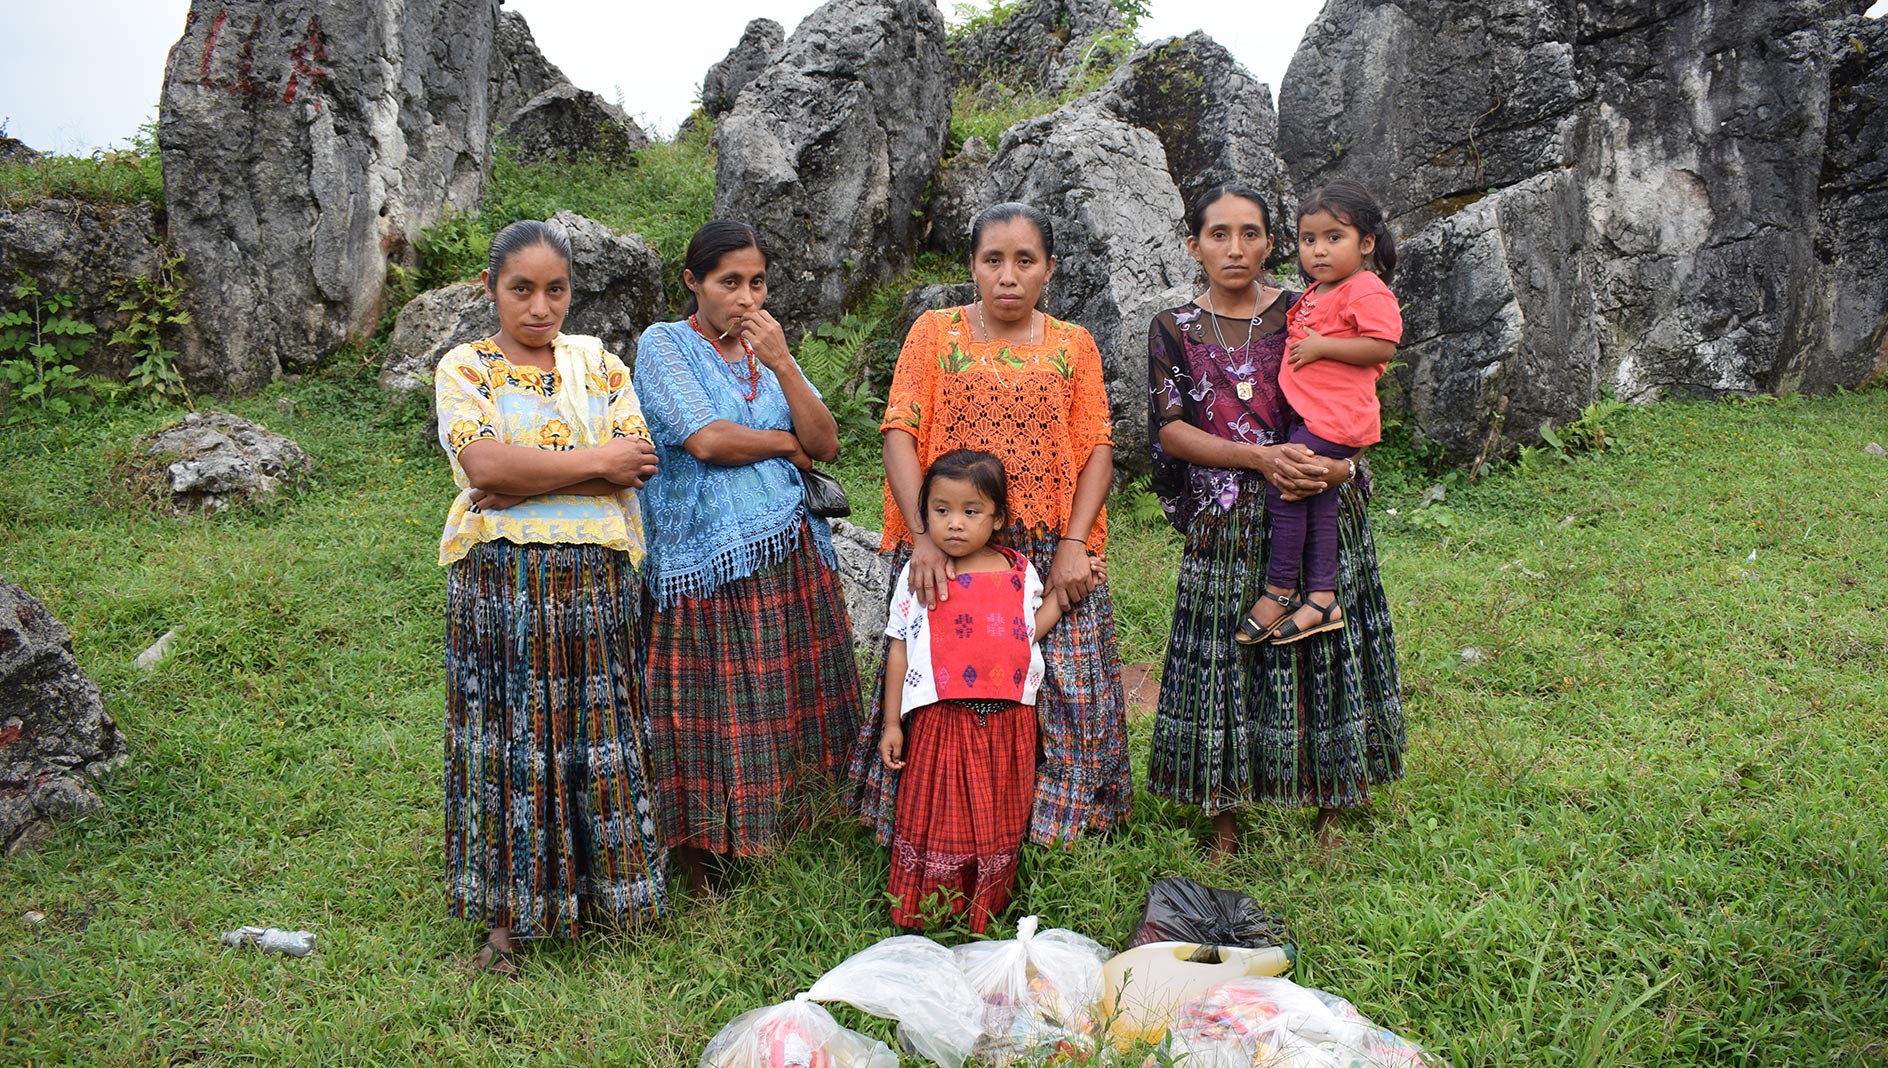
[{"x": 1243, "y": 386}]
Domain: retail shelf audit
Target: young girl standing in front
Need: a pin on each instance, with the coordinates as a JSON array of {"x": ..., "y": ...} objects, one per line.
[
  {"x": 960, "y": 694},
  {"x": 1339, "y": 336}
]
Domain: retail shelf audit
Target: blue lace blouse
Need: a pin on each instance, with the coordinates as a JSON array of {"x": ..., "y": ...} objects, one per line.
[{"x": 706, "y": 524}]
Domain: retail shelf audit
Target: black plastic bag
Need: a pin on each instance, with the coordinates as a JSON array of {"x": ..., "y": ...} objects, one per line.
[{"x": 1181, "y": 910}]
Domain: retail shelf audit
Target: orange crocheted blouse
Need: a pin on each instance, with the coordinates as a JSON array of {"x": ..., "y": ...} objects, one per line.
[{"x": 1040, "y": 408}]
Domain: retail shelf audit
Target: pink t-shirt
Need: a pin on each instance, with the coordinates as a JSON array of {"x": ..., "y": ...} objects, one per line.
[{"x": 1338, "y": 400}]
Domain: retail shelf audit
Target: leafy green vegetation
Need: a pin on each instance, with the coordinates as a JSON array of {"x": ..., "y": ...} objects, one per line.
[
  {"x": 665, "y": 197},
  {"x": 122, "y": 176},
  {"x": 155, "y": 303},
  {"x": 38, "y": 344},
  {"x": 1644, "y": 824}
]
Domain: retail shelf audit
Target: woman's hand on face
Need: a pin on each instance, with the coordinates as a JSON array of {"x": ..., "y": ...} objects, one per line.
[
  {"x": 762, "y": 331},
  {"x": 931, "y": 571},
  {"x": 627, "y": 461},
  {"x": 491, "y": 502},
  {"x": 1073, "y": 575},
  {"x": 1296, "y": 471}
]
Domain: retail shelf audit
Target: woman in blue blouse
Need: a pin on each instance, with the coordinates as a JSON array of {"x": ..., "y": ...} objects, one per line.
[{"x": 753, "y": 691}]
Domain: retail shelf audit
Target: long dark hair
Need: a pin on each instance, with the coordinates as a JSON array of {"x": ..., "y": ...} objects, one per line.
[
  {"x": 517, "y": 237},
  {"x": 713, "y": 241},
  {"x": 1196, "y": 217},
  {"x": 981, "y": 469},
  {"x": 998, "y": 213},
  {"x": 1351, "y": 202}
]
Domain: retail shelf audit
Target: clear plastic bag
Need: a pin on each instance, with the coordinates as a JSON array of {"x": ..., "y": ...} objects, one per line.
[
  {"x": 1268, "y": 1022},
  {"x": 915, "y": 981},
  {"x": 1040, "y": 991},
  {"x": 793, "y": 1034}
]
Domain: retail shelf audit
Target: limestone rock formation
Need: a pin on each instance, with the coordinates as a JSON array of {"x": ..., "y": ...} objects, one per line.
[
  {"x": 1119, "y": 238},
  {"x": 1037, "y": 47},
  {"x": 519, "y": 69},
  {"x": 564, "y": 122},
  {"x": 956, "y": 195},
  {"x": 1214, "y": 120},
  {"x": 80, "y": 250},
  {"x": 829, "y": 150},
  {"x": 431, "y": 325},
  {"x": 1673, "y": 187},
  {"x": 303, "y": 143},
  {"x": 56, "y": 739},
  {"x": 616, "y": 292},
  {"x": 865, "y": 577},
  {"x": 615, "y": 287},
  {"x": 14, "y": 150},
  {"x": 212, "y": 460},
  {"x": 760, "y": 43}
]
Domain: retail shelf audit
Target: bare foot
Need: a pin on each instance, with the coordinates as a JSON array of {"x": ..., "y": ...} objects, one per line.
[
  {"x": 1325, "y": 827},
  {"x": 498, "y": 956},
  {"x": 1225, "y": 836},
  {"x": 694, "y": 865}
]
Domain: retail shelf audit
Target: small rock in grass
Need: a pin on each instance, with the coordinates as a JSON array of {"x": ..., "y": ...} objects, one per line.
[
  {"x": 1435, "y": 494},
  {"x": 1874, "y": 448},
  {"x": 1472, "y": 655},
  {"x": 34, "y": 917},
  {"x": 1565, "y": 522},
  {"x": 159, "y": 649}
]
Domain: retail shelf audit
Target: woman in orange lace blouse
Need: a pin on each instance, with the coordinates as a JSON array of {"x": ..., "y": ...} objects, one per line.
[{"x": 1002, "y": 376}]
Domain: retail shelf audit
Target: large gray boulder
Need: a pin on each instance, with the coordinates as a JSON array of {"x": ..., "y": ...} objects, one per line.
[
  {"x": 304, "y": 142},
  {"x": 759, "y": 45},
  {"x": 615, "y": 287},
  {"x": 1214, "y": 120},
  {"x": 616, "y": 292},
  {"x": 211, "y": 460},
  {"x": 1679, "y": 176},
  {"x": 828, "y": 152},
  {"x": 14, "y": 150},
  {"x": 565, "y": 122},
  {"x": 56, "y": 739},
  {"x": 1119, "y": 239},
  {"x": 1038, "y": 46},
  {"x": 519, "y": 69},
  {"x": 865, "y": 577},
  {"x": 84, "y": 251},
  {"x": 431, "y": 325}
]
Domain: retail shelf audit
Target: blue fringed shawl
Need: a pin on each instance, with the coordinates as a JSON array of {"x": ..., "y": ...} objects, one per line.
[{"x": 706, "y": 524}]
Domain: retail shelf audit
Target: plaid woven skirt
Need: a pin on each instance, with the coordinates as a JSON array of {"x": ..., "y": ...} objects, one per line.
[
  {"x": 753, "y": 706},
  {"x": 1317, "y": 722},
  {"x": 963, "y": 808},
  {"x": 1083, "y": 782},
  {"x": 548, "y": 814}
]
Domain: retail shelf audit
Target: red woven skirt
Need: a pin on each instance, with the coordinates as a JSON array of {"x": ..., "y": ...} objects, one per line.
[{"x": 963, "y": 808}]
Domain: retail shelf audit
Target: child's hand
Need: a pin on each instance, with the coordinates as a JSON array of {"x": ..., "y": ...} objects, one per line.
[
  {"x": 1098, "y": 568},
  {"x": 1306, "y": 350},
  {"x": 891, "y": 746}
]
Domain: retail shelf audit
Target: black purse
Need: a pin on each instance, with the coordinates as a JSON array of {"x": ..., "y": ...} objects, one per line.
[{"x": 825, "y": 497}]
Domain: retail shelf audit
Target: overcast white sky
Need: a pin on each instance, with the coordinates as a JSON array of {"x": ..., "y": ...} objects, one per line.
[{"x": 60, "y": 93}]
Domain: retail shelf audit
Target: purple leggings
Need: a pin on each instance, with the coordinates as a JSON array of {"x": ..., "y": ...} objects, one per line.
[{"x": 1305, "y": 532}]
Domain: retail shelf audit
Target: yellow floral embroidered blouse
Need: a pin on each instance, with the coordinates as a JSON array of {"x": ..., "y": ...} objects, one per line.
[{"x": 480, "y": 394}]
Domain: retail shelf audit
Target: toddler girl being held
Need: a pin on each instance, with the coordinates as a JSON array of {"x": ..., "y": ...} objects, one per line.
[{"x": 1339, "y": 336}]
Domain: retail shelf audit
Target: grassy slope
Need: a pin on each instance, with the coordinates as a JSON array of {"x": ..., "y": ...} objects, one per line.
[{"x": 1666, "y": 775}]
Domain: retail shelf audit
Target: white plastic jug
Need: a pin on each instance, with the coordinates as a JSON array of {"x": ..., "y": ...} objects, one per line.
[{"x": 1144, "y": 986}]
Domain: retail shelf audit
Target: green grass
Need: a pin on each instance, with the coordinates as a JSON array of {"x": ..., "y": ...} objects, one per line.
[
  {"x": 665, "y": 197},
  {"x": 1648, "y": 827},
  {"x": 119, "y": 176}
]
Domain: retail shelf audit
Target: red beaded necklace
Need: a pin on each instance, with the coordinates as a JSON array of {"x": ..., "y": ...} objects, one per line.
[{"x": 753, "y": 365}]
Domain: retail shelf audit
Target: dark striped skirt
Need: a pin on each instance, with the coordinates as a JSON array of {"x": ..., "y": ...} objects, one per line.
[
  {"x": 1083, "y": 782},
  {"x": 753, "y": 706},
  {"x": 963, "y": 807},
  {"x": 548, "y": 814},
  {"x": 1317, "y": 722}
]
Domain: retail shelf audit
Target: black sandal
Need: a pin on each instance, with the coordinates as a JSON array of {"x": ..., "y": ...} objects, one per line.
[
  {"x": 1253, "y": 632},
  {"x": 1287, "y": 632}
]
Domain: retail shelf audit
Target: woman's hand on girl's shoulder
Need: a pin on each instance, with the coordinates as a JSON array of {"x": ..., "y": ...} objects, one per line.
[{"x": 931, "y": 571}]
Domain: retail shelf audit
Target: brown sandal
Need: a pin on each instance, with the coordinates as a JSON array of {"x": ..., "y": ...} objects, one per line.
[{"x": 491, "y": 960}]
